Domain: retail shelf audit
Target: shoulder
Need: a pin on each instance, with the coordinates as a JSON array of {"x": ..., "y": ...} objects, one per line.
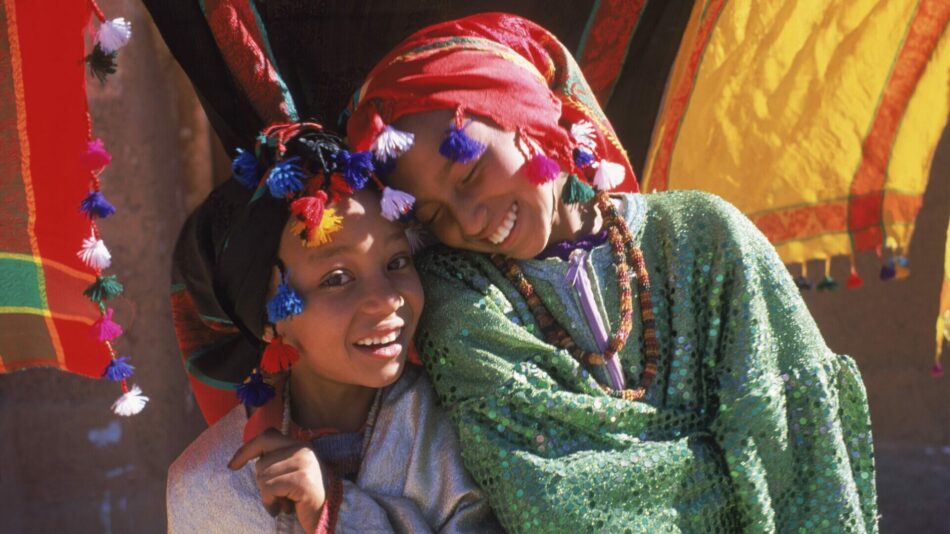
[{"x": 203, "y": 463}]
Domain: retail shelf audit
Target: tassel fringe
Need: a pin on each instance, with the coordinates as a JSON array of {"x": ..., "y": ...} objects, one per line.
[
  {"x": 114, "y": 34},
  {"x": 103, "y": 289},
  {"x": 130, "y": 403},
  {"x": 278, "y": 356},
  {"x": 285, "y": 178},
  {"x": 94, "y": 253},
  {"x": 576, "y": 191},
  {"x": 392, "y": 143},
  {"x": 118, "y": 370},
  {"x": 395, "y": 204},
  {"x": 609, "y": 175},
  {"x": 285, "y": 303},
  {"x": 459, "y": 147},
  {"x": 255, "y": 391}
]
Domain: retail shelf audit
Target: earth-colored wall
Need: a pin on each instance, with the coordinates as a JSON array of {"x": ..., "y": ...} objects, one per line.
[{"x": 67, "y": 464}]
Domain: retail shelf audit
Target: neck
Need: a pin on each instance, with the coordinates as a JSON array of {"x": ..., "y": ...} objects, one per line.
[
  {"x": 573, "y": 220},
  {"x": 316, "y": 402}
]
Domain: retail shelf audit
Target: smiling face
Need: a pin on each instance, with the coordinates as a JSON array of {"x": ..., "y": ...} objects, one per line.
[
  {"x": 362, "y": 298},
  {"x": 485, "y": 205}
]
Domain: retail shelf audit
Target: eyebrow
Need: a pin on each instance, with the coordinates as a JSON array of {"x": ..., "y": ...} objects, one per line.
[{"x": 328, "y": 251}]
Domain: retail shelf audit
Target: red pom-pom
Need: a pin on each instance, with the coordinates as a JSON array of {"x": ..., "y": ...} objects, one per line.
[
  {"x": 278, "y": 356},
  {"x": 541, "y": 169},
  {"x": 95, "y": 156},
  {"x": 309, "y": 210},
  {"x": 937, "y": 370},
  {"x": 854, "y": 281}
]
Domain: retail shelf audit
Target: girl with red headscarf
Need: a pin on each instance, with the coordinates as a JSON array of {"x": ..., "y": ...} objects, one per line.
[{"x": 611, "y": 360}]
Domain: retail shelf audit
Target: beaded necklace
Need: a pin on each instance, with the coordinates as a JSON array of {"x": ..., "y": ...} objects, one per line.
[{"x": 624, "y": 255}]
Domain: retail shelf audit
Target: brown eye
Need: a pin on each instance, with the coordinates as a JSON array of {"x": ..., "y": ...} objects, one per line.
[
  {"x": 336, "y": 279},
  {"x": 399, "y": 262}
]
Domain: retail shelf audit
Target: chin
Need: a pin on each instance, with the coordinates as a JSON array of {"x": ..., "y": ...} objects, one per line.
[{"x": 388, "y": 374}]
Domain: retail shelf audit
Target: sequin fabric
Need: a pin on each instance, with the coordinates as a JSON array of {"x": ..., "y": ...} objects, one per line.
[{"x": 752, "y": 424}]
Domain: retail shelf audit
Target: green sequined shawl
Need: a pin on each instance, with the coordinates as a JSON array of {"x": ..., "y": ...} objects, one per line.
[{"x": 752, "y": 423}]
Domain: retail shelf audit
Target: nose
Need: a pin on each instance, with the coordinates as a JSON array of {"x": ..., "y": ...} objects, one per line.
[
  {"x": 470, "y": 214},
  {"x": 382, "y": 297}
]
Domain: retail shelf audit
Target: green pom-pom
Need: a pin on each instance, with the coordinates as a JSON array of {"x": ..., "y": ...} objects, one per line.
[
  {"x": 828, "y": 284},
  {"x": 576, "y": 191},
  {"x": 104, "y": 288}
]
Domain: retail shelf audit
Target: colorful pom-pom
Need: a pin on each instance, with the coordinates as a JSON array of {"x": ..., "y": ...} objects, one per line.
[
  {"x": 609, "y": 175},
  {"x": 458, "y": 146},
  {"x": 576, "y": 191},
  {"x": 94, "y": 253},
  {"x": 118, "y": 369},
  {"x": 96, "y": 205},
  {"x": 103, "y": 289},
  {"x": 392, "y": 143},
  {"x": 285, "y": 303},
  {"x": 338, "y": 189},
  {"x": 318, "y": 235},
  {"x": 583, "y": 134},
  {"x": 828, "y": 284},
  {"x": 902, "y": 261},
  {"x": 887, "y": 270},
  {"x": 582, "y": 157},
  {"x": 255, "y": 391},
  {"x": 937, "y": 370},
  {"x": 357, "y": 167},
  {"x": 278, "y": 356},
  {"x": 246, "y": 169},
  {"x": 104, "y": 329},
  {"x": 396, "y": 204},
  {"x": 114, "y": 34},
  {"x": 101, "y": 63},
  {"x": 95, "y": 156},
  {"x": 541, "y": 169},
  {"x": 854, "y": 281},
  {"x": 285, "y": 178},
  {"x": 130, "y": 403},
  {"x": 309, "y": 209},
  {"x": 803, "y": 283}
]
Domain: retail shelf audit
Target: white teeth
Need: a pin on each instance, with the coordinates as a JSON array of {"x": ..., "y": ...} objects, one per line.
[
  {"x": 385, "y": 340},
  {"x": 501, "y": 233}
]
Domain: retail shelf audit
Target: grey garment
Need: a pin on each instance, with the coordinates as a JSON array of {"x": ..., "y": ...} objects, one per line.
[{"x": 411, "y": 478}]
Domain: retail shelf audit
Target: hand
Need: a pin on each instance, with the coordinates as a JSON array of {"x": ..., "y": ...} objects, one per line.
[{"x": 289, "y": 476}]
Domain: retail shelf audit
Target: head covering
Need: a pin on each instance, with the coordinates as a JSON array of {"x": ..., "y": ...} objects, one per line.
[{"x": 498, "y": 67}]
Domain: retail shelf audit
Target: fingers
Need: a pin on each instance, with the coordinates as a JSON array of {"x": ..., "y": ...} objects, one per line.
[
  {"x": 280, "y": 505},
  {"x": 268, "y": 441}
]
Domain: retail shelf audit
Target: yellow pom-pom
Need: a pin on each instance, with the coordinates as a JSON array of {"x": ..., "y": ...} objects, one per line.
[
  {"x": 901, "y": 273},
  {"x": 320, "y": 234}
]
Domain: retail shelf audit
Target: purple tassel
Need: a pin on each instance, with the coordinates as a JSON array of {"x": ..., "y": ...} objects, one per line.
[
  {"x": 582, "y": 157},
  {"x": 246, "y": 169},
  {"x": 118, "y": 370},
  {"x": 96, "y": 205},
  {"x": 357, "y": 167},
  {"x": 285, "y": 303},
  {"x": 254, "y": 391},
  {"x": 888, "y": 272},
  {"x": 459, "y": 147},
  {"x": 104, "y": 329},
  {"x": 285, "y": 178}
]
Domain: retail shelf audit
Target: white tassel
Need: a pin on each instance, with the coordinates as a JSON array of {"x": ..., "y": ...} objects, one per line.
[
  {"x": 392, "y": 143},
  {"x": 609, "y": 175},
  {"x": 114, "y": 34},
  {"x": 395, "y": 203},
  {"x": 94, "y": 253},
  {"x": 583, "y": 134},
  {"x": 130, "y": 403},
  {"x": 419, "y": 238}
]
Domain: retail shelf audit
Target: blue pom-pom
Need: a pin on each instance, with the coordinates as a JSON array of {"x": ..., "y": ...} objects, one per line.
[
  {"x": 118, "y": 370},
  {"x": 96, "y": 205},
  {"x": 285, "y": 303},
  {"x": 582, "y": 157},
  {"x": 803, "y": 283},
  {"x": 254, "y": 391},
  {"x": 285, "y": 178},
  {"x": 246, "y": 169},
  {"x": 384, "y": 168},
  {"x": 357, "y": 167},
  {"x": 457, "y": 146},
  {"x": 903, "y": 261}
]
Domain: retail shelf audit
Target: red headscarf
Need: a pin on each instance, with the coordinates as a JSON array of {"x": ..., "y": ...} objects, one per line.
[{"x": 495, "y": 66}]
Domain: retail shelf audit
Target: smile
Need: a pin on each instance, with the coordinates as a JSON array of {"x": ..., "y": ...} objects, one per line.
[
  {"x": 504, "y": 229},
  {"x": 383, "y": 340}
]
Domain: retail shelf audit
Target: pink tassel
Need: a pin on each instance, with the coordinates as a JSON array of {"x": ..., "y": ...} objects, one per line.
[
  {"x": 541, "y": 169},
  {"x": 95, "y": 156},
  {"x": 104, "y": 329}
]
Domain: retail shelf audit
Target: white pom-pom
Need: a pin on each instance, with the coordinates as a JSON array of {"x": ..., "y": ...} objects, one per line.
[
  {"x": 395, "y": 203},
  {"x": 94, "y": 253},
  {"x": 130, "y": 403},
  {"x": 392, "y": 143},
  {"x": 114, "y": 34},
  {"x": 609, "y": 175},
  {"x": 583, "y": 134}
]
